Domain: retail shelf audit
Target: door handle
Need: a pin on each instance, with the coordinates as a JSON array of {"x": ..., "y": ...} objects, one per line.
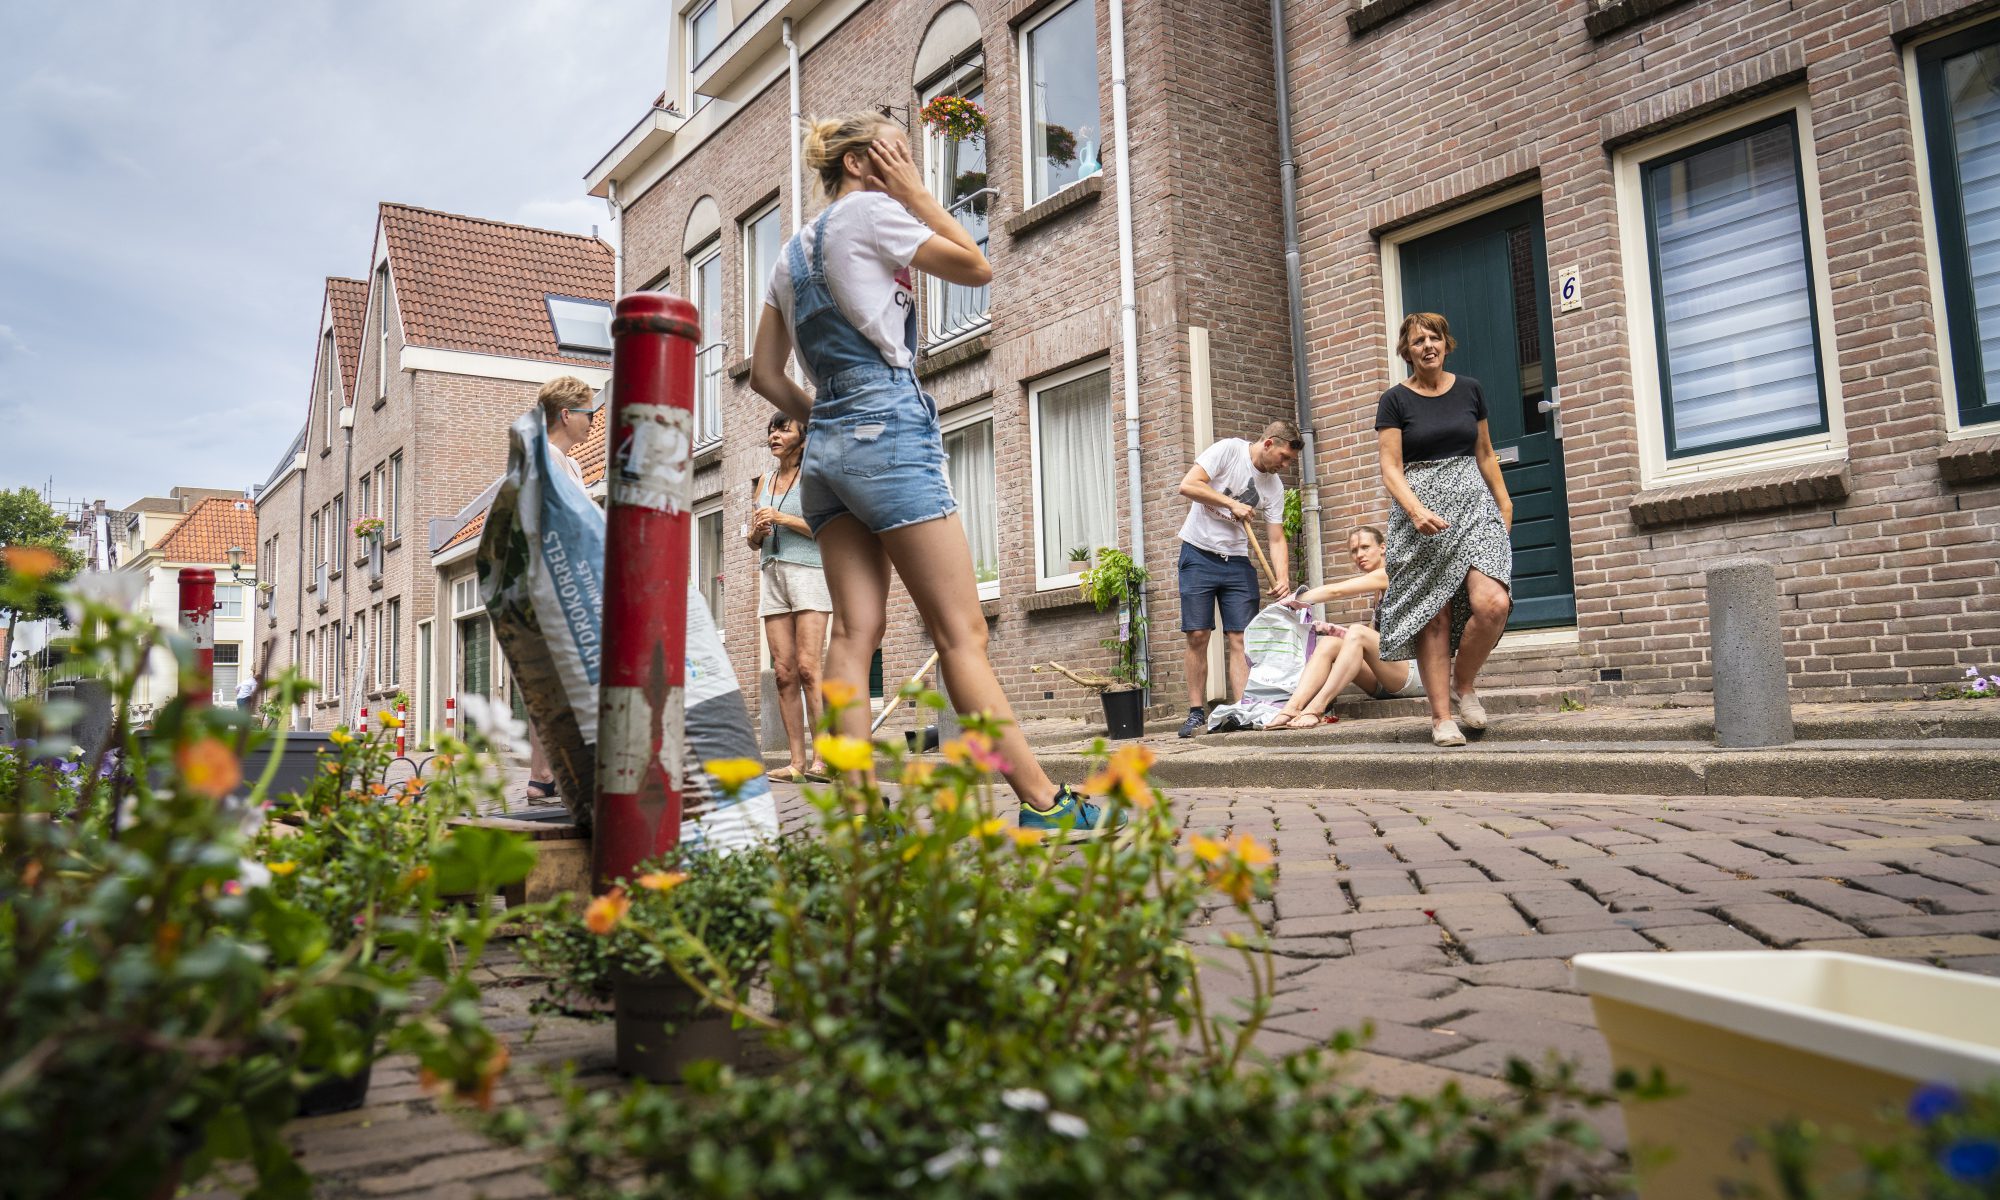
[{"x": 1553, "y": 407}]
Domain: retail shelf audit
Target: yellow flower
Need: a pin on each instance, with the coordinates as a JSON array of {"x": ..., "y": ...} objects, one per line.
[
  {"x": 1206, "y": 849},
  {"x": 281, "y": 868},
  {"x": 606, "y": 911},
  {"x": 209, "y": 767},
  {"x": 844, "y": 753},
  {"x": 390, "y": 720},
  {"x": 1249, "y": 851},
  {"x": 990, "y": 827},
  {"x": 917, "y": 773},
  {"x": 414, "y": 876},
  {"x": 836, "y": 694},
  {"x": 732, "y": 773},
  {"x": 662, "y": 881},
  {"x": 1027, "y": 837},
  {"x": 340, "y": 737}
]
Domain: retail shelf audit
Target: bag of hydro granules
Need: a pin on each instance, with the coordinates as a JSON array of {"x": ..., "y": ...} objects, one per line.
[
  {"x": 541, "y": 577},
  {"x": 541, "y": 572}
]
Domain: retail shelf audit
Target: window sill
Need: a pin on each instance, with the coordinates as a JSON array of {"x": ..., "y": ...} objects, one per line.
[
  {"x": 375, "y": 584},
  {"x": 740, "y": 369},
  {"x": 333, "y": 575},
  {"x": 1738, "y": 495},
  {"x": 1607, "y": 17},
  {"x": 1066, "y": 596},
  {"x": 392, "y": 544},
  {"x": 958, "y": 353},
  {"x": 707, "y": 454},
  {"x": 1076, "y": 195},
  {"x": 1971, "y": 461},
  {"x": 1371, "y": 15}
]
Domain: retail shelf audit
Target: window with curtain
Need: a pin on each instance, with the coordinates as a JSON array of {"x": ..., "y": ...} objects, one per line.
[
  {"x": 1059, "y": 55},
  {"x": 705, "y": 273},
  {"x": 708, "y": 561},
  {"x": 228, "y": 669},
  {"x": 1958, "y": 79},
  {"x": 392, "y": 643},
  {"x": 763, "y": 236},
  {"x": 958, "y": 177},
  {"x": 1733, "y": 306},
  {"x": 1074, "y": 470},
  {"x": 969, "y": 449}
]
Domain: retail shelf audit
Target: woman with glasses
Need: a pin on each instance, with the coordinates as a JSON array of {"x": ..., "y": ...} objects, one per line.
[
  {"x": 568, "y": 407},
  {"x": 792, "y": 599}
]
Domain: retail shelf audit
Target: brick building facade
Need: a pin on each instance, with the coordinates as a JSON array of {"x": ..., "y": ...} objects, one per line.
[
  {"x": 419, "y": 370},
  {"x": 1029, "y": 376},
  {"x": 1769, "y": 344}
]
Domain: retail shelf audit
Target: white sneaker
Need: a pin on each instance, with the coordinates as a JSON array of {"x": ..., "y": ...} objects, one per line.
[
  {"x": 1445, "y": 733},
  {"x": 1471, "y": 711}
]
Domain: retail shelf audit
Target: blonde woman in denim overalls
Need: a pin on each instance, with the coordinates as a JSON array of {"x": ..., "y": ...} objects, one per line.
[{"x": 873, "y": 479}]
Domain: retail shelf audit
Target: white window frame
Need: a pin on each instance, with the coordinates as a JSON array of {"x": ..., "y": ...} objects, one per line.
[
  {"x": 382, "y": 332},
  {"x": 1655, "y": 469},
  {"x": 332, "y": 367},
  {"x": 708, "y": 366},
  {"x": 234, "y": 589},
  {"x": 689, "y": 16},
  {"x": 711, "y": 507},
  {"x": 962, "y": 417},
  {"x": 472, "y": 607},
  {"x": 396, "y": 496},
  {"x": 753, "y": 292},
  {"x": 1027, "y": 88},
  {"x": 392, "y": 642},
  {"x": 953, "y": 82},
  {"x": 1049, "y": 583}
]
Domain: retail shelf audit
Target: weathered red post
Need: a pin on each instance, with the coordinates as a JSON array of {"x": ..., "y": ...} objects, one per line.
[
  {"x": 451, "y": 714},
  {"x": 197, "y": 601},
  {"x": 640, "y": 733},
  {"x": 402, "y": 729}
]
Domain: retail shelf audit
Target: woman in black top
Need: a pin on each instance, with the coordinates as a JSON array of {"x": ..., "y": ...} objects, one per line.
[{"x": 1450, "y": 561}]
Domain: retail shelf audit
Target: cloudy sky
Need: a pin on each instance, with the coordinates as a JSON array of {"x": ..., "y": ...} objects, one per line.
[{"x": 177, "y": 180}]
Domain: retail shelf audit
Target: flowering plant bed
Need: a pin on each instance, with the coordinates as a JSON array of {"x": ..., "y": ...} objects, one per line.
[
  {"x": 368, "y": 527},
  {"x": 1979, "y": 685}
]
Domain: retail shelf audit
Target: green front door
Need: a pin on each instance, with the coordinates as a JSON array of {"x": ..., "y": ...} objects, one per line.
[{"x": 1489, "y": 276}]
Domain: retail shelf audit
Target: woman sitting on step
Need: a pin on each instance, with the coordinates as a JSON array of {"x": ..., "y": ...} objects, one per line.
[{"x": 1350, "y": 653}]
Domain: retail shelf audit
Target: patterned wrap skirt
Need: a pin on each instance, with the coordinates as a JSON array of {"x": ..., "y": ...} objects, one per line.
[{"x": 1427, "y": 573}]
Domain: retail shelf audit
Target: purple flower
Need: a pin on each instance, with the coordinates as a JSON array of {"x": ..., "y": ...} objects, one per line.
[
  {"x": 1972, "y": 1160},
  {"x": 1932, "y": 1101},
  {"x": 1979, "y": 685},
  {"x": 1972, "y": 672}
]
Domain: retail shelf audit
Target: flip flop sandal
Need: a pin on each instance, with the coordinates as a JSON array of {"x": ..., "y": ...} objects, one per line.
[
  {"x": 1304, "y": 721},
  {"x": 1284, "y": 720},
  {"x": 784, "y": 775},
  {"x": 542, "y": 789}
]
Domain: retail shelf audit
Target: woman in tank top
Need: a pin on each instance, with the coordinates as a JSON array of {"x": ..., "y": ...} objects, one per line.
[{"x": 792, "y": 599}]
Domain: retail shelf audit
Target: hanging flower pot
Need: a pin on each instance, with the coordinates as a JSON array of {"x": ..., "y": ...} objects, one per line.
[
  {"x": 368, "y": 527},
  {"x": 954, "y": 117}
]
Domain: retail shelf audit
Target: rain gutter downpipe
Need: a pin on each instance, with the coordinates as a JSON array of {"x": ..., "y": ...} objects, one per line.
[
  {"x": 792, "y": 69},
  {"x": 617, "y": 239},
  {"x": 1288, "y": 183},
  {"x": 1128, "y": 304}
]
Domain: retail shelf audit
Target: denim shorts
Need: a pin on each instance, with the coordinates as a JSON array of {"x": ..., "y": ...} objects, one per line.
[
  {"x": 874, "y": 451},
  {"x": 1206, "y": 579}
]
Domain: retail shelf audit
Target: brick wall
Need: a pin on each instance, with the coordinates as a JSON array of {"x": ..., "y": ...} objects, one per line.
[{"x": 1886, "y": 590}]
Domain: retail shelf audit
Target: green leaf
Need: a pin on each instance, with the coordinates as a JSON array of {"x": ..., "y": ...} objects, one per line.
[{"x": 479, "y": 861}]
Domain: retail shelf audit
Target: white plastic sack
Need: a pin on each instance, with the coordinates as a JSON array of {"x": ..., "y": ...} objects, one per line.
[
  {"x": 541, "y": 571},
  {"x": 1278, "y": 642}
]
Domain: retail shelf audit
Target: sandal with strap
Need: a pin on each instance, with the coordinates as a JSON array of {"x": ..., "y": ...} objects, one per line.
[
  {"x": 542, "y": 789},
  {"x": 784, "y": 775},
  {"x": 1305, "y": 721},
  {"x": 1283, "y": 720}
]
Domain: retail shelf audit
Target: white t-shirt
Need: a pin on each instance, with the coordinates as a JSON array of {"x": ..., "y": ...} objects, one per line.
[
  {"x": 870, "y": 241},
  {"x": 1231, "y": 472}
]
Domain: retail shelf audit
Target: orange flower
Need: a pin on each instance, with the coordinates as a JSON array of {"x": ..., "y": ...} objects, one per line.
[
  {"x": 662, "y": 881},
  {"x": 208, "y": 767},
  {"x": 975, "y": 750},
  {"x": 489, "y": 1074},
  {"x": 1249, "y": 851},
  {"x": 377, "y": 789},
  {"x": 606, "y": 911},
  {"x": 414, "y": 876},
  {"x": 836, "y": 694},
  {"x": 1026, "y": 837},
  {"x": 1206, "y": 849},
  {"x": 31, "y": 562},
  {"x": 1125, "y": 776}
]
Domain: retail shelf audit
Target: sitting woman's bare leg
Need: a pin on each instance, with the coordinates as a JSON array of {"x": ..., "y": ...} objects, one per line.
[
  {"x": 1345, "y": 665},
  {"x": 1316, "y": 670}
]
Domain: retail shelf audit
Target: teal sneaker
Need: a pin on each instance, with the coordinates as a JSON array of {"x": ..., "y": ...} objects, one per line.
[{"x": 1070, "y": 810}]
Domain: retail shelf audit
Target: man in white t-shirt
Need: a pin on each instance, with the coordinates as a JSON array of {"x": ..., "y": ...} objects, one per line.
[{"x": 1229, "y": 484}]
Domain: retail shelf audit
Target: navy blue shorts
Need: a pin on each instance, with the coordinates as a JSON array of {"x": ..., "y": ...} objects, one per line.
[{"x": 1207, "y": 579}]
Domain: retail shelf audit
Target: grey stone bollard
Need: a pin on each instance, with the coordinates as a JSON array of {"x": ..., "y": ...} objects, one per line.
[
  {"x": 1746, "y": 650},
  {"x": 6, "y": 726},
  {"x": 93, "y": 729}
]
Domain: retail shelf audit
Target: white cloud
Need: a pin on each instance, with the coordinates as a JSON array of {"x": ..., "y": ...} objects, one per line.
[{"x": 11, "y": 343}]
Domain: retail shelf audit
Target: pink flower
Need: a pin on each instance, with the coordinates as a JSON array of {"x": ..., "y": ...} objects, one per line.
[{"x": 232, "y": 888}]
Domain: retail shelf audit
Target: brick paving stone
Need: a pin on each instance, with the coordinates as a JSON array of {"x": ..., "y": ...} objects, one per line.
[
  {"x": 1651, "y": 919},
  {"x": 1558, "y": 902},
  {"x": 1429, "y": 877},
  {"x": 1345, "y": 923},
  {"x": 1559, "y": 851},
  {"x": 1529, "y": 1001},
  {"x": 1563, "y": 945},
  {"x": 1948, "y": 897},
  {"x": 1323, "y": 898},
  {"x": 1406, "y": 935},
  {"x": 1781, "y": 924},
  {"x": 1701, "y": 937},
  {"x": 1977, "y": 923},
  {"x": 1948, "y": 946},
  {"x": 1364, "y": 884},
  {"x": 1849, "y": 904},
  {"x": 436, "y": 1172},
  {"x": 1468, "y": 922},
  {"x": 1539, "y": 974},
  {"x": 1987, "y": 964},
  {"x": 1435, "y": 901},
  {"x": 1912, "y": 842},
  {"x": 1965, "y": 872}
]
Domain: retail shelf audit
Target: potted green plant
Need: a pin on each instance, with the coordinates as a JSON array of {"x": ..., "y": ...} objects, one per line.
[
  {"x": 162, "y": 1004},
  {"x": 954, "y": 118},
  {"x": 618, "y": 952},
  {"x": 1115, "y": 581}
]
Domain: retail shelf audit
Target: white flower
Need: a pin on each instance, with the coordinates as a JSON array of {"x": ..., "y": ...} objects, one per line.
[
  {"x": 944, "y": 1164},
  {"x": 1068, "y": 1124},
  {"x": 1972, "y": 672},
  {"x": 1024, "y": 1100},
  {"x": 494, "y": 721},
  {"x": 990, "y": 1157},
  {"x": 128, "y": 813},
  {"x": 253, "y": 874}
]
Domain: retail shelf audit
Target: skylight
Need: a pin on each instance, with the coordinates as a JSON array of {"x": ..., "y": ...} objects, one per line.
[{"x": 582, "y": 326}]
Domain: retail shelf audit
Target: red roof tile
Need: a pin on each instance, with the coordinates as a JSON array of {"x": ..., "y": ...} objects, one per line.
[
  {"x": 349, "y": 298},
  {"x": 207, "y": 533},
  {"x": 463, "y": 283}
]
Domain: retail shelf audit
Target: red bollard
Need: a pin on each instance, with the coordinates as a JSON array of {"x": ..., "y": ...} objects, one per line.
[
  {"x": 198, "y": 623},
  {"x": 361, "y": 723},
  {"x": 451, "y": 714},
  {"x": 640, "y": 727},
  {"x": 402, "y": 729}
]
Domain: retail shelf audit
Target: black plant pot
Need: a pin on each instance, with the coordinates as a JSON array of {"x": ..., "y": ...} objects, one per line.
[
  {"x": 337, "y": 1094},
  {"x": 662, "y": 1027},
  {"x": 1125, "y": 713}
]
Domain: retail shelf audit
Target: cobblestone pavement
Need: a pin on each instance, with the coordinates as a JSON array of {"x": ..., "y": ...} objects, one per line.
[{"x": 1445, "y": 919}]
